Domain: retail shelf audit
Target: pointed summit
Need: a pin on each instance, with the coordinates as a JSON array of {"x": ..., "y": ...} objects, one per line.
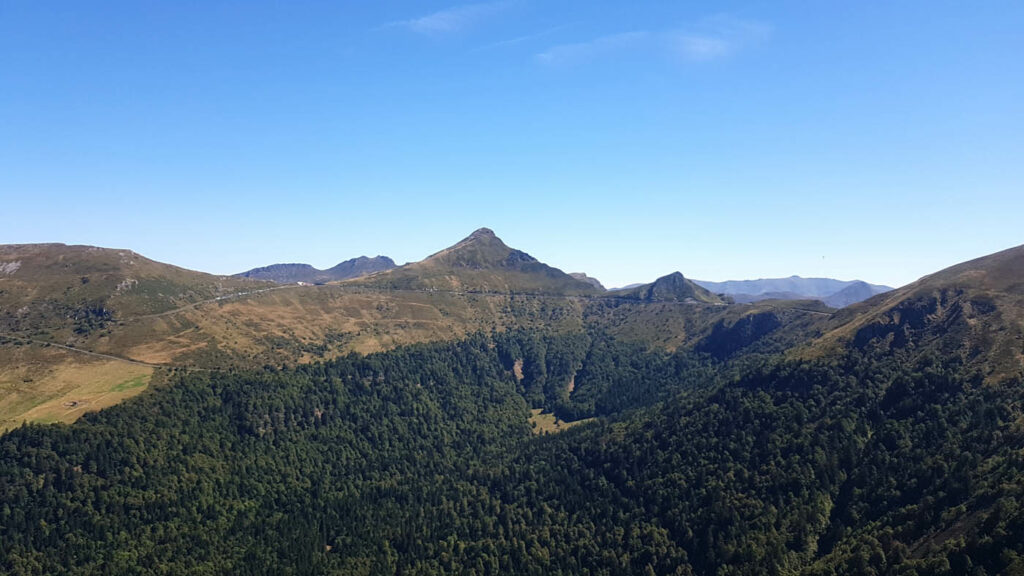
[
  {"x": 480, "y": 250},
  {"x": 671, "y": 288},
  {"x": 481, "y": 262},
  {"x": 482, "y": 232}
]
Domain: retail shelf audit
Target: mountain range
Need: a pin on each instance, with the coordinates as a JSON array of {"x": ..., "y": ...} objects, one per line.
[
  {"x": 122, "y": 306},
  {"x": 480, "y": 412},
  {"x": 488, "y": 251},
  {"x": 402, "y": 422},
  {"x": 834, "y": 293}
]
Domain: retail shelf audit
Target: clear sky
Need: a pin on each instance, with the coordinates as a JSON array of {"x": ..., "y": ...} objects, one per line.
[{"x": 726, "y": 140}]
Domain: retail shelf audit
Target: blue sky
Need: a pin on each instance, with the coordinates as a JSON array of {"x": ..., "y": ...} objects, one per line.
[{"x": 726, "y": 140}]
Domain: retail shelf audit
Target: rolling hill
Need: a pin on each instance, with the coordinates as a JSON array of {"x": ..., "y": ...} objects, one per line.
[
  {"x": 54, "y": 297},
  {"x": 81, "y": 288}
]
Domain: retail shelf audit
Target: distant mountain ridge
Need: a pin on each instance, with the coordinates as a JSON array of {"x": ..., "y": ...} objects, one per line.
[
  {"x": 834, "y": 293},
  {"x": 858, "y": 291},
  {"x": 294, "y": 273}
]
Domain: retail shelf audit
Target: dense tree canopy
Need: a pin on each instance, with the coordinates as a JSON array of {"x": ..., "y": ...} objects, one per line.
[{"x": 421, "y": 461}]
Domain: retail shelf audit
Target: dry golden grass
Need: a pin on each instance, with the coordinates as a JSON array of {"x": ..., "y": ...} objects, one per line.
[
  {"x": 164, "y": 351},
  {"x": 40, "y": 384},
  {"x": 284, "y": 325}
]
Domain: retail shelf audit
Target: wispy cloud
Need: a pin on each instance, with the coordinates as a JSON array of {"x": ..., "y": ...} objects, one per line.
[
  {"x": 710, "y": 39},
  {"x": 523, "y": 39},
  {"x": 450, "y": 20},
  {"x": 717, "y": 37},
  {"x": 582, "y": 51},
  {"x": 701, "y": 47}
]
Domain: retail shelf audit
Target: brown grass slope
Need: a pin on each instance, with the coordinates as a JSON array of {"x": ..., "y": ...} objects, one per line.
[{"x": 83, "y": 296}]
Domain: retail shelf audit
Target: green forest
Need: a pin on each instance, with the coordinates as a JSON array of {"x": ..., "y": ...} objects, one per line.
[{"x": 422, "y": 460}]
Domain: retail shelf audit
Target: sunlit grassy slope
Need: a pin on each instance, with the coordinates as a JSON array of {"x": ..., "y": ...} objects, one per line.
[{"x": 49, "y": 384}]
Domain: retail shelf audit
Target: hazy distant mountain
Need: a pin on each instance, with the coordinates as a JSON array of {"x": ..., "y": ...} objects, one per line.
[
  {"x": 592, "y": 281},
  {"x": 292, "y": 273},
  {"x": 750, "y": 298},
  {"x": 856, "y": 292},
  {"x": 835, "y": 293}
]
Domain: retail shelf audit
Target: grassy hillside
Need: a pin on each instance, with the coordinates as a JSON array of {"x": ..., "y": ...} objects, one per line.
[
  {"x": 973, "y": 311},
  {"x": 82, "y": 289},
  {"x": 86, "y": 296},
  {"x": 51, "y": 384}
]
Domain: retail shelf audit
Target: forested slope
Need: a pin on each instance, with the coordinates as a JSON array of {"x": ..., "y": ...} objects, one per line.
[{"x": 420, "y": 461}]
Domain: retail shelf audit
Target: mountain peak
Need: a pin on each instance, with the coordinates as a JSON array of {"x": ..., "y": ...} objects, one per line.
[
  {"x": 482, "y": 233},
  {"x": 480, "y": 250},
  {"x": 481, "y": 236},
  {"x": 673, "y": 287},
  {"x": 483, "y": 262}
]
